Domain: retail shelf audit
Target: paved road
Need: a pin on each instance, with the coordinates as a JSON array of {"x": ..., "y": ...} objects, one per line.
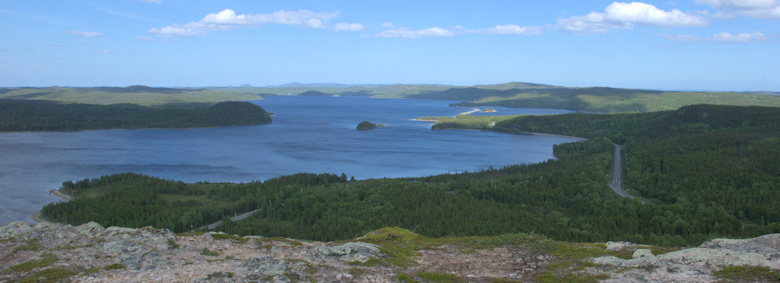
[
  {"x": 242, "y": 216},
  {"x": 617, "y": 179}
]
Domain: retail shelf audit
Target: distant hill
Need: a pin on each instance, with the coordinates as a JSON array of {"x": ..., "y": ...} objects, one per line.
[
  {"x": 137, "y": 94},
  {"x": 513, "y": 94}
]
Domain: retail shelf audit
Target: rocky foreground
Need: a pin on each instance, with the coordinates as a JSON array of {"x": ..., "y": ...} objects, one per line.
[{"x": 92, "y": 253}]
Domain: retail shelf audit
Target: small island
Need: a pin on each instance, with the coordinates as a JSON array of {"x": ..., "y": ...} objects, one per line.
[
  {"x": 488, "y": 110},
  {"x": 366, "y": 125}
]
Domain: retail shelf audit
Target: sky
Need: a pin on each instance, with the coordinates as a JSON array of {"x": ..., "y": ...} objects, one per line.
[{"x": 724, "y": 45}]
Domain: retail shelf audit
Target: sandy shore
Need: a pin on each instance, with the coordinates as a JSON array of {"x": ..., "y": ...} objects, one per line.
[{"x": 60, "y": 194}]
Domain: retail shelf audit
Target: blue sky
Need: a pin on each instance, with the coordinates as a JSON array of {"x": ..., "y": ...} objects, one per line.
[{"x": 670, "y": 45}]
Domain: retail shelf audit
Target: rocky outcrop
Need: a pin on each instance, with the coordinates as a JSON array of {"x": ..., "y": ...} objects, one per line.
[
  {"x": 697, "y": 264},
  {"x": 92, "y": 253},
  {"x": 348, "y": 253}
]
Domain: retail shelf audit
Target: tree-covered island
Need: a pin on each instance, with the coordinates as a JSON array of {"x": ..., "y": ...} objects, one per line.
[{"x": 34, "y": 115}]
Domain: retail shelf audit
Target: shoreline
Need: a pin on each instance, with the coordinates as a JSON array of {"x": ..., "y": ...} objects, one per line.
[
  {"x": 60, "y": 194},
  {"x": 37, "y": 216}
]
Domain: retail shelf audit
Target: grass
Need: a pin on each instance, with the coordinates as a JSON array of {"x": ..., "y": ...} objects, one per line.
[
  {"x": 50, "y": 275},
  {"x": 32, "y": 245},
  {"x": 236, "y": 239},
  {"x": 747, "y": 274},
  {"x": 172, "y": 244},
  {"x": 114, "y": 266},
  {"x": 46, "y": 260},
  {"x": 405, "y": 278},
  {"x": 209, "y": 253}
]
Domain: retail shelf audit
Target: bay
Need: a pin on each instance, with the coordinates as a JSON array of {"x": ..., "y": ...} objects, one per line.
[{"x": 309, "y": 134}]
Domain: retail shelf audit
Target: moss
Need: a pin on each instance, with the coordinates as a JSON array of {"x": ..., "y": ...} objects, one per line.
[
  {"x": 220, "y": 274},
  {"x": 747, "y": 273},
  {"x": 209, "y": 253},
  {"x": 114, "y": 266},
  {"x": 405, "y": 278},
  {"x": 356, "y": 271},
  {"x": 46, "y": 260},
  {"x": 32, "y": 245},
  {"x": 50, "y": 275},
  {"x": 236, "y": 239},
  {"x": 172, "y": 244}
]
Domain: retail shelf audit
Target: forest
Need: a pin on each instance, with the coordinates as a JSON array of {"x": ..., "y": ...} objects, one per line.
[
  {"x": 33, "y": 115},
  {"x": 703, "y": 171}
]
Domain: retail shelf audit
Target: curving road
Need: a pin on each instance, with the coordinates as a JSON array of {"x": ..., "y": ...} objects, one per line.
[{"x": 617, "y": 179}]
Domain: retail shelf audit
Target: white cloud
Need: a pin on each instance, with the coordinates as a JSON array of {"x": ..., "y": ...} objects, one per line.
[
  {"x": 763, "y": 9},
  {"x": 724, "y": 37},
  {"x": 410, "y": 33},
  {"x": 228, "y": 19},
  {"x": 152, "y": 1},
  {"x": 87, "y": 34},
  {"x": 511, "y": 30},
  {"x": 348, "y": 27},
  {"x": 387, "y": 25},
  {"x": 620, "y": 15}
]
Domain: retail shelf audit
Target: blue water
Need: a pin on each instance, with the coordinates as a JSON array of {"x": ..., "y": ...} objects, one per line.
[{"x": 309, "y": 134}]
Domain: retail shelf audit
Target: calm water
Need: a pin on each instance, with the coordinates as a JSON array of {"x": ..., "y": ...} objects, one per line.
[{"x": 309, "y": 134}]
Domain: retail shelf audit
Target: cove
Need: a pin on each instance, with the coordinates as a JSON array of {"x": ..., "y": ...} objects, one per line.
[{"x": 308, "y": 134}]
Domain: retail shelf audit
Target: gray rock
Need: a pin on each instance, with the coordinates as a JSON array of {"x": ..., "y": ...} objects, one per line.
[
  {"x": 348, "y": 252},
  {"x": 90, "y": 230},
  {"x": 122, "y": 247},
  {"x": 642, "y": 253},
  {"x": 19, "y": 229}
]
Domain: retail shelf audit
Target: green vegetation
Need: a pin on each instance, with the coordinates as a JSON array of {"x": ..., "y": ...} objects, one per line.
[
  {"x": 46, "y": 260},
  {"x": 596, "y": 99},
  {"x": 465, "y": 122},
  {"x": 704, "y": 171},
  {"x": 49, "y": 275},
  {"x": 32, "y": 245},
  {"x": 114, "y": 266},
  {"x": 20, "y": 115},
  {"x": 366, "y": 125},
  {"x": 140, "y": 95},
  {"x": 438, "y": 277},
  {"x": 209, "y": 253},
  {"x": 747, "y": 274}
]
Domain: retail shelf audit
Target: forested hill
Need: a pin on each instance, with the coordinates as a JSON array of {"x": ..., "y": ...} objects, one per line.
[
  {"x": 596, "y": 99},
  {"x": 703, "y": 171},
  {"x": 32, "y": 115}
]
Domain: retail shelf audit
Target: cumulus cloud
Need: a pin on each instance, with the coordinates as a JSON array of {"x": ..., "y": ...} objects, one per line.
[
  {"x": 387, "y": 25},
  {"x": 348, "y": 27},
  {"x": 511, "y": 30},
  {"x": 724, "y": 37},
  {"x": 620, "y": 15},
  {"x": 87, "y": 34},
  {"x": 152, "y": 1},
  {"x": 410, "y": 33},
  {"x": 228, "y": 19},
  {"x": 763, "y": 9}
]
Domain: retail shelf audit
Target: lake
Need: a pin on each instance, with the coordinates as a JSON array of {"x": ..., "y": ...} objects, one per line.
[{"x": 309, "y": 134}]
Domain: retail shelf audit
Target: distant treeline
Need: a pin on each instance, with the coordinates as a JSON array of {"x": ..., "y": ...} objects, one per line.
[
  {"x": 33, "y": 115},
  {"x": 704, "y": 172}
]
